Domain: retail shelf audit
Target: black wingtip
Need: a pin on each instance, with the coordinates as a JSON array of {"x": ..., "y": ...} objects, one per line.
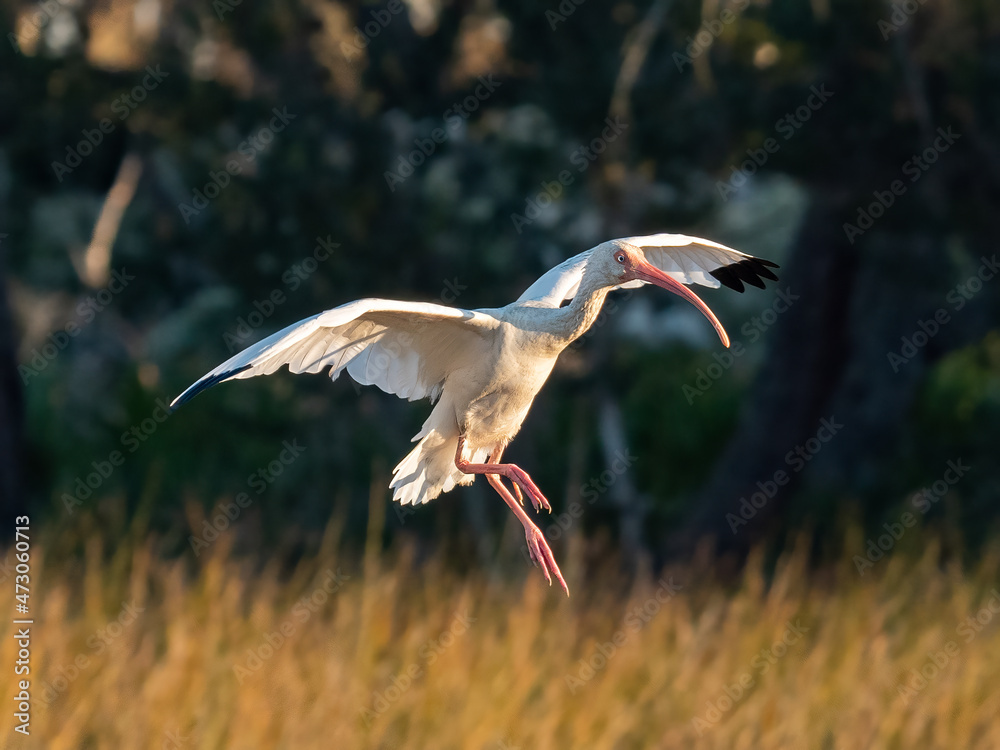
[
  {"x": 752, "y": 271},
  {"x": 203, "y": 385},
  {"x": 728, "y": 278}
]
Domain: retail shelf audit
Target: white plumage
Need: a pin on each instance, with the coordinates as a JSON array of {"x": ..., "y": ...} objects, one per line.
[
  {"x": 483, "y": 368},
  {"x": 689, "y": 260}
]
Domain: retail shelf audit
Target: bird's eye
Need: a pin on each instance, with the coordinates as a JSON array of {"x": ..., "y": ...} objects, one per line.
[{"x": 620, "y": 258}]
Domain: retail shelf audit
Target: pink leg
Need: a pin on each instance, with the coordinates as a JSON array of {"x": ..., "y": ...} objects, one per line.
[
  {"x": 495, "y": 459},
  {"x": 538, "y": 548},
  {"x": 514, "y": 473}
]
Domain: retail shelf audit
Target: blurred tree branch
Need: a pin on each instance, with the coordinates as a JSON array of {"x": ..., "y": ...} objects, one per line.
[{"x": 95, "y": 267}]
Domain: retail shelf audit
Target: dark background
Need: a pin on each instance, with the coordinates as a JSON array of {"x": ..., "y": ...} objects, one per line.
[{"x": 698, "y": 91}]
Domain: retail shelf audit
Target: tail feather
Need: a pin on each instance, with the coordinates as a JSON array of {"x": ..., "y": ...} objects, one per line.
[{"x": 429, "y": 469}]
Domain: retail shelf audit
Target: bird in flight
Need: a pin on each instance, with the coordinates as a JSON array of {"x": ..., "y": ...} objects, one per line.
[{"x": 482, "y": 368}]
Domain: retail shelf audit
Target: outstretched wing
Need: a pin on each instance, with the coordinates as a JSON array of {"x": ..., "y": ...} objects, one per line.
[
  {"x": 559, "y": 283},
  {"x": 405, "y": 348},
  {"x": 690, "y": 260},
  {"x": 693, "y": 260}
]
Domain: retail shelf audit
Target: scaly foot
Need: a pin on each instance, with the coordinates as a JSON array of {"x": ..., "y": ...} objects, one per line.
[
  {"x": 541, "y": 555},
  {"x": 519, "y": 477}
]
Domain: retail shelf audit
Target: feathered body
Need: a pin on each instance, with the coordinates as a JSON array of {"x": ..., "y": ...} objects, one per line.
[{"x": 527, "y": 338}]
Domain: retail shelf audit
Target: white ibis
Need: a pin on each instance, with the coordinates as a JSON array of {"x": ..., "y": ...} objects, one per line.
[{"x": 484, "y": 367}]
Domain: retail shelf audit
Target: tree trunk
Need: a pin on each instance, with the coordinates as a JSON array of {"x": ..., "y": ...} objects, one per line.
[{"x": 828, "y": 361}]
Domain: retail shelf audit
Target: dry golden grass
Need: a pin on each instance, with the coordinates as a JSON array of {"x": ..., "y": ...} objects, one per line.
[{"x": 405, "y": 656}]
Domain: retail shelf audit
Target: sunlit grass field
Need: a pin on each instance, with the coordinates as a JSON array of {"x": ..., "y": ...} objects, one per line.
[{"x": 379, "y": 651}]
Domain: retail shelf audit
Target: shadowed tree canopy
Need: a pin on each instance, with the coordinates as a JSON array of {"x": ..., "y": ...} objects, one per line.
[{"x": 453, "y": 153}]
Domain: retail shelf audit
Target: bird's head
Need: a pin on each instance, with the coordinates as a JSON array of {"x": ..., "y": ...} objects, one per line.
[{"x": 623, "y": 263}]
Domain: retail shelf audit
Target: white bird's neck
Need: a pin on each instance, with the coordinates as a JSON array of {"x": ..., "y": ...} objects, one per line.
[
  {"x": 565, "y": 325},
  {"x": 579, "y": 315}
]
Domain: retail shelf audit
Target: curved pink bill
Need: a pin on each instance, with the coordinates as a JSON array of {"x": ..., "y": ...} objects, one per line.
[{"x": 654, "y": 275}]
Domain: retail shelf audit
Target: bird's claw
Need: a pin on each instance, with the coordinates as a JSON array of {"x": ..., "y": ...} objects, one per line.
[
  {"x": 517, "y": 493},
  {"x": 538, "y": 500},
  {"x": 541, "y": 555}
]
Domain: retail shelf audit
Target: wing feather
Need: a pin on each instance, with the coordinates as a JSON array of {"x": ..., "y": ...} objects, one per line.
[
  {"x": 694, "y": 260},
  {"x": 405, "y": 348},
  {"x": 690, "y": 260},
  {"x": 558, "y": 283}
]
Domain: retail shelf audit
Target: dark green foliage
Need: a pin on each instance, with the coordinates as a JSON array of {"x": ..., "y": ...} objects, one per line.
[{"x": 448, "y": 227}]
